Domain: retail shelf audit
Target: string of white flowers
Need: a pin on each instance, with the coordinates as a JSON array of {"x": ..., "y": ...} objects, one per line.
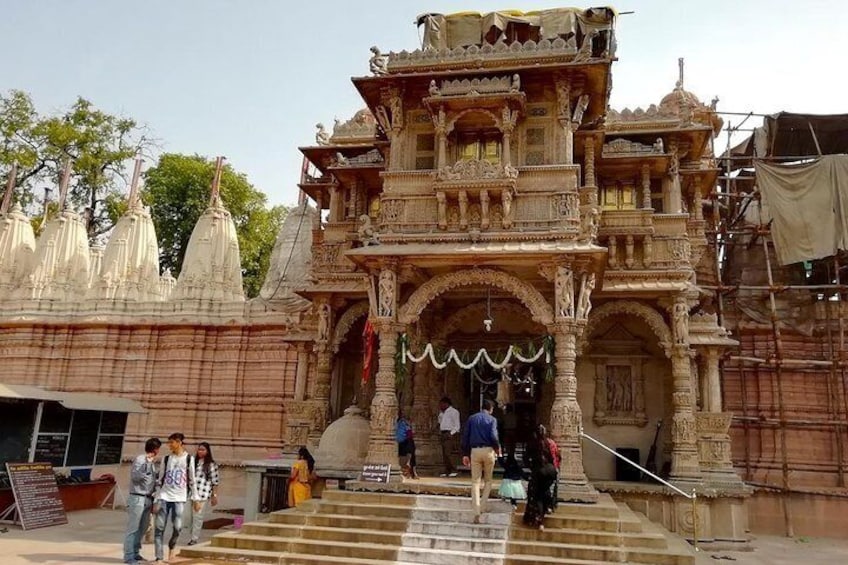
[{"x": 512, "y": 351}]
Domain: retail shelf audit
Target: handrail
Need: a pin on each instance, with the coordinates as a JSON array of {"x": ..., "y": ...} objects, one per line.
[{"x": 693, "y": 497}]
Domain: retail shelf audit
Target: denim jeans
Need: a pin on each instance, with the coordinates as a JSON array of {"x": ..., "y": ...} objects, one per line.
[
  {"x": 175, "y": 510},
  {"x": 197, "y": 519},
  {"x": 138, "y": 516}
]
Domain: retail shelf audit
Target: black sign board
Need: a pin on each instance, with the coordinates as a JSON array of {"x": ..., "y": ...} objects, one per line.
[
  {"x": 36, "y": 495},
  {"x": 375, "y": 473},
  {"x": 109, "y": 450},
  {"x": 50, "y": 448}
]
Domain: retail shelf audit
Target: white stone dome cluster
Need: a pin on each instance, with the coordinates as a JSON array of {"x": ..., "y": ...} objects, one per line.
[{"x": 61, "y": 266}]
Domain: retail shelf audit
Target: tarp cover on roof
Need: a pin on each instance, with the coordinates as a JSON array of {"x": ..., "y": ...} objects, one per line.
[
  {"x": 72, "y": 400},
  {"x": 469, "y": 28},
  {"x": 809, "y": 207}
]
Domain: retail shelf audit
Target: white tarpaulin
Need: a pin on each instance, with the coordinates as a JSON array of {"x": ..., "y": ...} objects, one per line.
[{"x": 808, "y": 204}]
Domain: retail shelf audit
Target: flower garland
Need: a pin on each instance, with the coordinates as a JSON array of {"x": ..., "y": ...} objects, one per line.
[{"x": 470, "y": 359}]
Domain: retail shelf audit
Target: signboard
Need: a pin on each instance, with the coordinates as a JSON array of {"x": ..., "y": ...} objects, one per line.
[
  {"x": 375, "y": 473},
  {"x": 50, "y": 448},
  {"x": 36, "y": 495}
]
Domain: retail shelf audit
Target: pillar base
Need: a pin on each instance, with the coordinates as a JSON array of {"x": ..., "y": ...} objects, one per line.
[{"x": 583, "y": 493}]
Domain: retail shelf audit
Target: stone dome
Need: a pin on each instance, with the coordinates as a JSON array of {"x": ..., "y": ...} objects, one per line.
[
  {"x": 344, "y": 444},
  {"x": 17, "y": 248},
  {"x": 679, "y": 97},
  {"x": 61, "y": 260}
]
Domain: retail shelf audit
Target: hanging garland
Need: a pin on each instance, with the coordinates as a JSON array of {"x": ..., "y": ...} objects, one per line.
[{"x": 466, "y": 359}]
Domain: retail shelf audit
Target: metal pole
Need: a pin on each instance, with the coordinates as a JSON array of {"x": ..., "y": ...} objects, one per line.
[{"x": 695, "y": 520}]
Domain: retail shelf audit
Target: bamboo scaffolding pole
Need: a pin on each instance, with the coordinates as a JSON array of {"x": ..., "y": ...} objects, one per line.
[{"x": 790, "y": 421}]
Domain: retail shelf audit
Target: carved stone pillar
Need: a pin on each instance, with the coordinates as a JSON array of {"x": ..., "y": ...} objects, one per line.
[
  {"x": 646, "y": 188},
  {"x": 711, "y": 391},
  {"x": 697, "y": 203},
  {"x": 628, "y": 251},
  {"x": 323, "y": 367},
  {"x": 684, "y": 451},
  {"x": 463, "y": 210},
  {"x": 589, "y": 163},
  {"x": 484, "y": 209},
  {"x": 353, "y": 191},
  {"x": 302, "y": 372},
  {"x": 566, "y": 415},
  {"x": 647, "y": 251},
  {"x": 441, "y": 129},
  {"x": 382, "y": 447},
  {"x": 563, "y": 93},
  {"x": 673, "y": 196},
  {"x": 335, "y": 211},
  {"x": 612, "y": 260},
  {"x": 442, "y": 205}
]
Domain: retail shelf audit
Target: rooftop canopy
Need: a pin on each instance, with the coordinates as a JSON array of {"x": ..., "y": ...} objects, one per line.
[{"x": 72, "y": 400}]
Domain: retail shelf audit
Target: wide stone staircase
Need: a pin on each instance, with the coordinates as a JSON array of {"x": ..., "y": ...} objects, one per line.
[{"x": 362, "y": 527}]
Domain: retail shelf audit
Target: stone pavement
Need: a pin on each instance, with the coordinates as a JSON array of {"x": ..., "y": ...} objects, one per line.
[{"x": 94, "y": 537}]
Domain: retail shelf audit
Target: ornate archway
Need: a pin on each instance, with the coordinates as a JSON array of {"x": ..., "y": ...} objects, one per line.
[
  {"x": 540, "y": 309},
  {"x": 651, "y": 317},
  {"x": 345, "y": 322}
]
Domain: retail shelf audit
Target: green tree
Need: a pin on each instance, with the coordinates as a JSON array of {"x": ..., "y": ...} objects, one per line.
[
  {"x": 98, "y": 143},
  {"x": 177, "y": 190}
]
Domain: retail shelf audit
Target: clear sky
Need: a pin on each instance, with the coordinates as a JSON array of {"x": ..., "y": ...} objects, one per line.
[{"x": 249, "y": 79}]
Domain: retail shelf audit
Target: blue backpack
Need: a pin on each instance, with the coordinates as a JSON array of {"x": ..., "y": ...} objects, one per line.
[{"x": 403, "y": 431}]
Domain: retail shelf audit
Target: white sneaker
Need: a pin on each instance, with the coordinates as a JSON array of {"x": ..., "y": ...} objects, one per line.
[
  {"x": 443, "y": 474},
  {"x": 452, "y": 474}
]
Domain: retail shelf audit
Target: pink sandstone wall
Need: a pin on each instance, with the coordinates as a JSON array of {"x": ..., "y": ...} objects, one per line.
[{"x": 224, "y": 384}]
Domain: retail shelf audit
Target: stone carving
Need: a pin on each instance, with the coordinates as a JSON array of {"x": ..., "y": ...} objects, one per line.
[
  {"x": 378, "y": 63},
  {"x": 433, "y": 89},
  {"x": 369, "y": 158},
  {"x": 361, "y": 125},
  {"x": 566, "y": 205},
  {"x": 680, "y": 317},
  {"x": 525, "y": 292},
  {"x": 564, "y": 292},
  {"x": 387, "y": 287},
  {"x": 474, "y": 169},
  {"x": 652, "y": 114},
  {"x": 367, "y": 234},
  {"x": 585, "y": 51},
  {"x": 621, "y": 146},
  {"x": 392, "y": 210},
  {"x": 679, "y": 250},
  {"x": 441, "y": 202},
  {"x": 584, "y": 305},
  {"x": 324, "y": 257},
  {"x": 500, "y": 51},
  {"x": 321, "y": 136},
  {"x": 476, "y": 86},
  {"x": 579, "y": 109},
  {"x": 475, "y": 312},
  {"x": 651, "y": 317},
  {"x": 589, "y": 224},
  {"x": 325, "y": 313},
  {"x": 516, "y": 83},
  {"x": 506, "y": 201}
]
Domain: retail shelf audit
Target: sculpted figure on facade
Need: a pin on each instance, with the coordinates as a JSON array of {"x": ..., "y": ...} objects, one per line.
[
  {"x": 378, "y": 63},
  {"x": 321, "y": 136},
  {"x": 506, "y": 200},
  {"x": 516, "y": 83},
  {"x": 388, "y": 282},
  {"x": 680, "y": 316},
  {"x": 589, "y": 224},
  {"x": 366, "y": 231},
  {"x": 564, "y": 292},
  {"x": 433, "y": 88},
  {"x": 325, "y": 313},
  {"x": 579, "y": 110},
  {"x": 585, "y": 304}
]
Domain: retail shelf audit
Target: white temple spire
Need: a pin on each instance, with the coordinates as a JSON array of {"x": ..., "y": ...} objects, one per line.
[
  {"x": 133, "y": 199},
  {"x": 215, "y": 196}
]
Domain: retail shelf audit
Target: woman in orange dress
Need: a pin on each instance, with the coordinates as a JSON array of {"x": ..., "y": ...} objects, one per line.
[{"x": 300, "y": 481}]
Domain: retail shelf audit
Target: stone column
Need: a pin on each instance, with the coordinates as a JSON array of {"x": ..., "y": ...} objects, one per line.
[
  {"x": 697, "y": 203},
  {"x": 323, "y": 369},
  {"x": 441, "y": 129},
  {"x": 712, "y": 379},
  {"x": 589, "y": 163},
  {"x": 302, "y": 372},
  {"x": 382, "y": 447},
  {"x": 684, "y": 451},
  {"x": 646, "y": 188},
  {"x": 566, "y": 416}
]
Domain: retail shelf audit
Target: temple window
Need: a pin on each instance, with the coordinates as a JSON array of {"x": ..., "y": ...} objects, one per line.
[
  {"x": 425, "y": 151},
  {"x": 479, "y": 146},
  {"x": 618, "y": 197},
  {"x": 535, "y": 146}
]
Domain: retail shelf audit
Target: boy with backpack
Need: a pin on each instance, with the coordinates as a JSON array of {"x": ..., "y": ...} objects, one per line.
[{"x": 176, "y": 486}]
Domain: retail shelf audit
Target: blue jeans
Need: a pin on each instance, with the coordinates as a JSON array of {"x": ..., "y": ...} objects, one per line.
[
  {"x": 175, "y": 510},
  {"x": 138, "y": 517}
]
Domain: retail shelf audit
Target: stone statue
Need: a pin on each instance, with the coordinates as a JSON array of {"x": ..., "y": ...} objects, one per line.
[
  {"x": 506, "y": 200},
  {"x": 516, "y": 83},
  {"x": 589, "y": 225},
  {"x": 658, "y": 145},
  {"x": 585, "y": 51},
  {"x": 387, "y": 293},
  {"x": 341, "y": 159},
  {"x": 324, "y": 313},
  {"x": 565, "y": 292},
  {"x": 586, "y": 289},
  {"x": 580, "y": 109},
  {"x": 367, "y": 233},
  {"x": 680, "y": 315},
  {"x": 714, "y": 104},
  {"x": 321, "y": 136},
  {"x": 378, "y": 63},
  {"x": 441, "y": 200},
  {"x": 434, "y": 89}
]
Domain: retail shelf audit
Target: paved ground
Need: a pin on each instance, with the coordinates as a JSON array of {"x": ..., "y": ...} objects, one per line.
[{"x": 94, "y": 537}]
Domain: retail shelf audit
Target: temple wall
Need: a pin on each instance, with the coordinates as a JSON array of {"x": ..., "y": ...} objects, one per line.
[{"x": 226, "y": 384}]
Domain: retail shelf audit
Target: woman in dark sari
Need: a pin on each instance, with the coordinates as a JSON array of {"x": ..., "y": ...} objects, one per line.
[{"x": 543, "y": 475}]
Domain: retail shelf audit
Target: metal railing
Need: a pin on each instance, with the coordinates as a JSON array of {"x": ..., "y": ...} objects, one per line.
[{"x": 693, "y": 496}]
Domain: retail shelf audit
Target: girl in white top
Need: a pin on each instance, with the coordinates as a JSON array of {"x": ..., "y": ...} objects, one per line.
[{"x": 207, "y": 478}]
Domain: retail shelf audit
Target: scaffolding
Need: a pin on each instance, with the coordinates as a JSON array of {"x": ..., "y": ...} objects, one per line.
[{"x": 786, "y": 382}]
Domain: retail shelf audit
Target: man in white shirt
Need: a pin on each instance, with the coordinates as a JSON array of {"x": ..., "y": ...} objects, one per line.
[
  {"x": 448, "y": 434},
  {"x": 177, "y": 485}
]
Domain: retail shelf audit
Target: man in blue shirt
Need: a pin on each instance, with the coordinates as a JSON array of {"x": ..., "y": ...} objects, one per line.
[{"x": 480, "y": 449}]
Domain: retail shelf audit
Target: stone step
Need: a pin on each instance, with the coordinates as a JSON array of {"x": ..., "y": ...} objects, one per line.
[
  {"x": 335, "y": 495},
  {"x": 357, "y": 509},
  {"x": 328, "y": 533},
  {"x": 617, "y": 554},
  {"x": 535, "y": 560},
  {"x": 202, "y": 554},
  {"x": 338, "y": 520},
  {"x": 588, "y": 537},
  {"x": 470, "y": 545},
  {"x": 561, "y": 522},
  {"x": 447, "y": 557},
  {"x": 358, "y": 550},
  {"x": 458, "y": 503},
  {"x": 447, "y": 529}
]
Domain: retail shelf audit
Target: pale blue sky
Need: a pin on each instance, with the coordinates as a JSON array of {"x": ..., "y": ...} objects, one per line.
[{"x": 250, "y": 79}]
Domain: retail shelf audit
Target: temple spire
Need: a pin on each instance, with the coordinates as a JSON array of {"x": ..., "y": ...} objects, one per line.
[
  {"x": 215, "y": 197},
  {"x": 10, "y": 188},
  {"x": 679, "y": 84},
  {"x": 63, "y": 184},
  {"x": 132, "y": 200}
]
